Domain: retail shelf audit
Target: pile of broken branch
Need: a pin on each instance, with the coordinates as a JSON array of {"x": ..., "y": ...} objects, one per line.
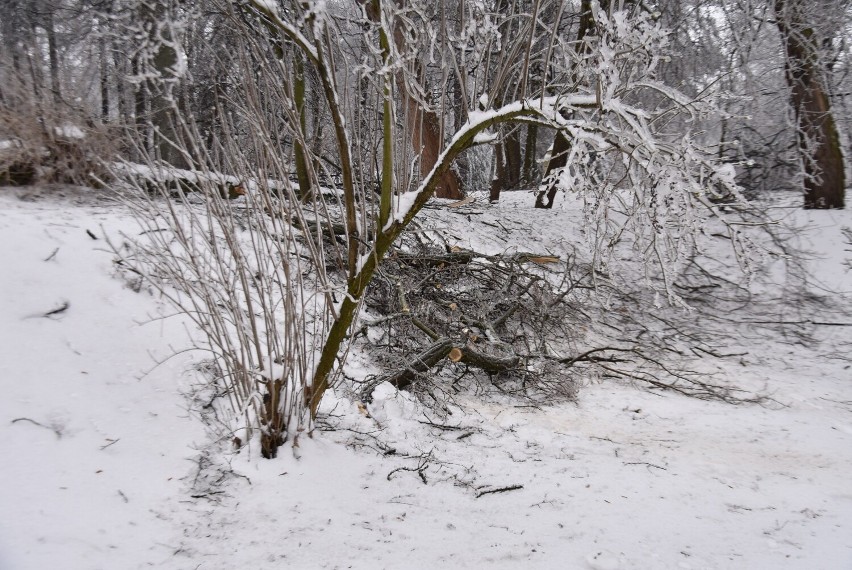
[{"x": 443, "y": 318}]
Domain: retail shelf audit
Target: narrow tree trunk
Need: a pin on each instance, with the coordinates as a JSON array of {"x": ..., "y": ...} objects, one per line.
[
  {"x": 512, "y": 156},
  {"x": 558, "y": 161},
  {"x": 120, "y": 65},
  {"x": 459, "y": 116},
  {"x": 561, "y": 144},
  {"x": 53, "y": 54},
  {"x": 528, "y": 175},
  {"x": 36, "y": 76},
  {"x": 298, "y": 149},
  {"x": 104, "y": 79},
  {"x": 819, "y": 142},
  {"x": 140, "y": 113},
  {"x": 499, "y": 174}
]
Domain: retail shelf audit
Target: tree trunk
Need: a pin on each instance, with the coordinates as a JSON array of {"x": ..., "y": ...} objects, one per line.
[
  {"x": 424, "y": 125},
  {"x": 120, "y": 65},
  {"x": 416, "y": 368},
  {"x": 104, "y": 79},
  {"x": 424, "y": 128},
  {"x": 499, "y": 174},
  {"x": 302, "y": 174},
  {"x": 53, "y": 57},
  {"x": 561, "y": 144},
  {"x": 819, "y": 142},
  {"x": 528, "y": 175},
  {"x": 161, "y": 89},
  {"x": 11, "y": 27},
  {"x": 459, "y": 118},
  {"x": 507, "y": 158},
  {"x": 558, "y": 161},
  {"x": 512, "y": 156}
]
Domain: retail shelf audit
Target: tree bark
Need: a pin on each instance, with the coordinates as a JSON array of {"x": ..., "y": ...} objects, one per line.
[
  {"x": 558, "y": 161},
  {"x": 499, "y": 174},
  {"x": 419, "y": 365},
  {"x": 561, "y": 144},
  {"x": 512, "y": 155},
  {"x": 424, "y": 125},
  {"x": 425, "y": 129},
  {"x": 528, "y": 175},
  {"x": 53, "y": 54},
  {"x": 104, "y": 79},
  {"x": 162, "y": 90},
  {"x": 140, "y": 108},
  {"x": 819, "y": 142}
]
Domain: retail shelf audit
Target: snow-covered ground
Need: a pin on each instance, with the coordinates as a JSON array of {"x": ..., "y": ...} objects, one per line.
[{"x": 104, "y": 461}]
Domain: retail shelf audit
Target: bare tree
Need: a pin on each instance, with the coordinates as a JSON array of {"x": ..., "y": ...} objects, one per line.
[{"x": 276, "y": 283}]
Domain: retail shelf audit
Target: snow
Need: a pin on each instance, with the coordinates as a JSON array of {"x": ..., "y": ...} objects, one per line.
[
  {"x": 623, "y": 478},
  {"x": 268, "y": 5},
  {"x": 70, "y": 132},
  {"x": 95, "y": 484}
]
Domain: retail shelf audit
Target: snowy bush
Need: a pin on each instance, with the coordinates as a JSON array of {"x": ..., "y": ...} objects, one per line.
[{"x": 276, "y": 279}]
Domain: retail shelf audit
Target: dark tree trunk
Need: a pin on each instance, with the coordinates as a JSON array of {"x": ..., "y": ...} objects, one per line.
[
  {"x": 140, "y": 113},
  {"x": 425, "y": 129},
  {"x": 512, "y": 156},
  {"x": 558, "y": 161},
  {"x": 53, "y": 54},
  {"x": 819, "y": 142},
  {"x": 561, "y": 144},
  {"x": 424, "y": 126},
  {"x": 507, "y": 152},
  {"x": 459, "y": 117},
  {"x": 11, "y": 26},
  {"x": 104, "y": 79},
  {"x": 120, "y": 65},
  {"x": 499, "y": 174},
  {"x": 105, "y": 50},
  {"x": 528, "y": 175}
]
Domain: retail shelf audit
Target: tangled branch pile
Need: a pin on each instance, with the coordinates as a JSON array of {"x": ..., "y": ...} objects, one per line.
[{"x": 445, "y": 318}]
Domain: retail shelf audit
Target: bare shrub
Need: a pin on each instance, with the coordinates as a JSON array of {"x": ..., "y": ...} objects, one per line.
[
  {"x": 43, "y": 141},
  {"x": 238, "y": 269},
  {"x": 275, "y": 279}
]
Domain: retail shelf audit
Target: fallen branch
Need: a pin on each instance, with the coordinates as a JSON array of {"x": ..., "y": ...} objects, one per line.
[
  {"x": 646, "y": 464},
  {"x": 53, "y": 429},
  {"x": 587, "y": 356},
  {"x": 61, "y": 309},
  {"x": 499, "y": 490},
  {"x": 442, "y": 427},
  {"x": 489, "y": 362},
  {"x": 422, "y": 464},
  {"x": 405, "y": 376}
]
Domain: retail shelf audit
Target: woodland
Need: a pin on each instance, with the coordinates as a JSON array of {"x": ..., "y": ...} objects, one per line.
[{"x": 287, "y": 160}]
